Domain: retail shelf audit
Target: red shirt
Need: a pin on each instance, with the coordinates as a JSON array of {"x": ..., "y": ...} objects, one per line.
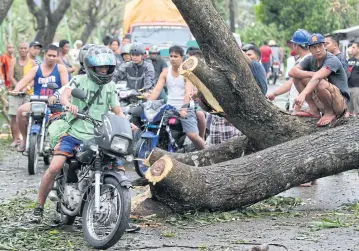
[
  {"x": 266, "y": 53},
  {"x": 6, "y": 61}
]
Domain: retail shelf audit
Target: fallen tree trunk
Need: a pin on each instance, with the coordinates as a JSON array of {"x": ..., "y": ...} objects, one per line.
[
  {"x": 228, "y": 76},
  {"x": 245, "y": 181},
  {"x": 231, "y": 149}
]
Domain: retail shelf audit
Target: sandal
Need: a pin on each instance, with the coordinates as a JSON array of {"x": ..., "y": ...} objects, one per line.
[{"x": 21, "y": 148}]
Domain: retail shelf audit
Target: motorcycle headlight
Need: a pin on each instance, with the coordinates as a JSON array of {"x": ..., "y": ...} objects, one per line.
[
  {"x": 38, "y": 108},
  {"x": 119, "y": 144}
]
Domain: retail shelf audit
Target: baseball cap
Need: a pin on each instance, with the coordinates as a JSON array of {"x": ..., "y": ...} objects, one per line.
[
  {"x": 316, "y": 38},
  {"x": 35, "y": 43}
]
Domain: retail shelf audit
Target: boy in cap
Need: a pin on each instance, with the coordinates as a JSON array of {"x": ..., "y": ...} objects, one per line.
[{"x": 322, "y": 82}]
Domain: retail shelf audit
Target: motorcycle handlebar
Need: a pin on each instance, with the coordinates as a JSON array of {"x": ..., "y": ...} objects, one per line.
[{"x": 17, "y": 93}]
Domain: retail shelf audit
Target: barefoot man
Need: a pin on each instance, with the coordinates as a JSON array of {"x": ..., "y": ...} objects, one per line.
[{"x": 322, "y": 82}]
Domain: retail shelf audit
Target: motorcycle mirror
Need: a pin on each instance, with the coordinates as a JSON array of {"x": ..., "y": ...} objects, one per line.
[
  {"x": 136, "y": 111},
  {"x": 52, "y": 86},
  {"x": 78, "y": 93}
]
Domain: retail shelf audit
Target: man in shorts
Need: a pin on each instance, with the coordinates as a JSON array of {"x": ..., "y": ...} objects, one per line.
[
  {"x": 19, "y": 67},
  {"x": 322, "y": 82},
  {"x": 179, "y": 91}
]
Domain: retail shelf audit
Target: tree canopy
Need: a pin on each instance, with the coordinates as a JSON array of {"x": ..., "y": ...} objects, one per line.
[{"x": 315, "y": 16}]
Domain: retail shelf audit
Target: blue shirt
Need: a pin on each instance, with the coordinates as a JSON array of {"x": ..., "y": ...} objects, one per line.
[
  {"x": 260, "y": 75},
  {"x": 41, "y": 82}
]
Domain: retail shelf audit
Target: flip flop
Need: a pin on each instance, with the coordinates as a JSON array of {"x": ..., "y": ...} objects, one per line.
[{"x": 306, "y": 114}]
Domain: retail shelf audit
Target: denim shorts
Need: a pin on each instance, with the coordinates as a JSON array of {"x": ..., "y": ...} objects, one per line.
[{"x": 67, "y": 146}]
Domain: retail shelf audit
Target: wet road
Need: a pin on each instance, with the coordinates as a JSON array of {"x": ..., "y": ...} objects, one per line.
[{"x": 329, "y": 193}]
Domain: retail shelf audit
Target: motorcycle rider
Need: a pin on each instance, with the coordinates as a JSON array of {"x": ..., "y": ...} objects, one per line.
[
  {"x": 179, "y": 91},
  {"x": 125, "y": 53},
  {"x": 158, "y": 63},
  {"x": 276, "y": 54},
  {"x": 55, "y": 73},
  {"x": 126, "y": 57},
  {"x": 139, "y": 73},
  {"x": 100, "y": 64}
]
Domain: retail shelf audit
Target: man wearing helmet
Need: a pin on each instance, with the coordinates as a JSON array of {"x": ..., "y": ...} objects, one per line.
[
  {"x": 158, "y": 63},
  {"x": 99, "y": 63},
  {"x": 125, "y": 53},
  {"x": 138, "y": 73},
  {"x": 126, "y": 57},
  {"x": 300, "y": 47}
]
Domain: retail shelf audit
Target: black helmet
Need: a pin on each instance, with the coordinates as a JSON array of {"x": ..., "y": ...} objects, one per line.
[
  {"x": 138, "y": 48},
  {"x": 83, "y": 52},
  {"x": 99, "y": 55}
]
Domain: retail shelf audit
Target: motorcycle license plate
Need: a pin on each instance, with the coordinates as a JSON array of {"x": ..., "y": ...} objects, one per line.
[{"x": 276, "y": 66}]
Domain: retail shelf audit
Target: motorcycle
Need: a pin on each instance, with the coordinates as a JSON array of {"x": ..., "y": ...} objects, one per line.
[
  {"x": 163, "y": 130},
  {"x": 90, "y": 184},
  {"x": 36, "y": 143},
  {"x": 131, "y": 101},
  {"x": 274, "y": 73}
]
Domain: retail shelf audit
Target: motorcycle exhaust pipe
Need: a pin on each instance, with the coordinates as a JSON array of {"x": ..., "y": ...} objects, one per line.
[{"x": 68, "y": 212}]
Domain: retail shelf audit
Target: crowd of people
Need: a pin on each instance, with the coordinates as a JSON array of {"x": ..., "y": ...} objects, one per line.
[{"x": 320, "y": 73}]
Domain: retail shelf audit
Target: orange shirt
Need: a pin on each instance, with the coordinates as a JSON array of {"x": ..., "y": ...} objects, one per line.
[{"x": 5, "y": 62}]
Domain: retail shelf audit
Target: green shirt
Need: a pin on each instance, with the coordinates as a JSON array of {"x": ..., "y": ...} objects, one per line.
[{"x": 108, "y": 99}]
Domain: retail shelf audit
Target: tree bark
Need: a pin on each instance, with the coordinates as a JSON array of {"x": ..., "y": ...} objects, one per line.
[
  {"x": 232, "y": 16},
  {"x": 5, "y": 6},
  {"x": 86, "y": 33},
  {"x": 231, "y": 149},
  {"x": 245, "y": 181},
  {"x": 228, "y": 77},
  {"x": 46, "y": 20}
]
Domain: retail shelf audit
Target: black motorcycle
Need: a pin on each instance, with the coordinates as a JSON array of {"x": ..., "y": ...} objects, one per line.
[{"x": 91, "y": 185}]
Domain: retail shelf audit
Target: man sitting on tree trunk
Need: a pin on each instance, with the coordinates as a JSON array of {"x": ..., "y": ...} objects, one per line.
[
  {"x": 321, "y": 81},
  {"x": 179, "y": 91}
]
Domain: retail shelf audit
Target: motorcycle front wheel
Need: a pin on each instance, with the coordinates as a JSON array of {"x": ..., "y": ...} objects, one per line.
[
  {"x": 103, "y": 230},
  {"x": 33, "y": 155},
  {"x": 142, "y": 151}
]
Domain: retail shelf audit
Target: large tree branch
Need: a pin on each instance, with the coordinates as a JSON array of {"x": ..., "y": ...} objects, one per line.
[
  {"x": 60, "y": 11},
  {"x": 241, "y": 182},
  {"x": 230, "y": 80}
]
